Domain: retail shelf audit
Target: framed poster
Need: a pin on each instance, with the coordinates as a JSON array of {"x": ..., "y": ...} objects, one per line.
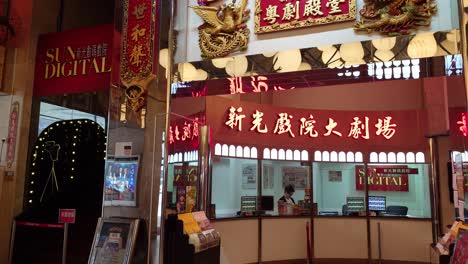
[
  {"x": 249, "y": 176},
  {"x": 267, "y": 177},
  {"x": 297, "y": 176},
  {"x": 121, "y": 181},
  {"x": 335, "y": 176},
  {"x": 114, "y": 241}
]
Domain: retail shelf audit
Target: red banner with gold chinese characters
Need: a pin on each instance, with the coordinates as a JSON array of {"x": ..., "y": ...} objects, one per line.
[
  {"x": 137, "y": 51},
  {"x": 276, "y": 15},
  {"x": 384, "y": 178}
]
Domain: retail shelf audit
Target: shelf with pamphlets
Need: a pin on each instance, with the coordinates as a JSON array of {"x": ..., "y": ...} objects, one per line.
[{"x": 191, "y": 238}]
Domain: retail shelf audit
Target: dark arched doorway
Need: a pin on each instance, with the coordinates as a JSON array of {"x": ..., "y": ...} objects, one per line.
[{"x": 66, "y": 171}]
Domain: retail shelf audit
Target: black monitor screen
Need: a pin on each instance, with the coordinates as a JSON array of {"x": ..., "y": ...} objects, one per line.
[
  {"x": 267, "y": 203},
  {"x": 377, "y": 203}
]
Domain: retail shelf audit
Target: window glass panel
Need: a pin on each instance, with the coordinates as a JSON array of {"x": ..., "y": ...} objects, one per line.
[
  {"x": 399, "y": 190},
  {"x": 182, "y": 187},
  {"x": 297, "y": 155},
  {"x": 266, "y": 153},
  {"x": 171, "y": 194},
  {"x": 276, "y": 175},
  {"x": 335, "y": 188},
  {"x": 239, "y": 152},
  {"x": 246, "y": 152},
  {"x": 318, "y": 156},
  {"x": 232, "y": 179},
  {"x": 281, "y": 154},
  {"x": 359, "y": 157},
  {"x": 218, "y": 149},
  {"x": 254, "y": 154}
]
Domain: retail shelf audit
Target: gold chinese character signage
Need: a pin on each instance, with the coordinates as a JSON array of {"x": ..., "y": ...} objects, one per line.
[
  {"x": 137, "y": 43},
  {"x": 276, "y": 15},
  {"x": 224, "y": 30},
  {"x": 136, "y": 68}
]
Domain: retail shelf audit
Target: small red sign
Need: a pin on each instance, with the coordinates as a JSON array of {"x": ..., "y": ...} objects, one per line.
[
  {"x": 67, "y": 216},
  {"x": 393, "y": 170}
]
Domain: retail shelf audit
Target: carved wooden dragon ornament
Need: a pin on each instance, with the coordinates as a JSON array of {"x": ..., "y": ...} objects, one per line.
[
  {"x": 395, "y": 17},
  {"x": 224, "y": 30}
]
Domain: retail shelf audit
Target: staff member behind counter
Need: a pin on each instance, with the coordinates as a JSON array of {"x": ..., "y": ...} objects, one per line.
[{"x": 287, "y": 197}]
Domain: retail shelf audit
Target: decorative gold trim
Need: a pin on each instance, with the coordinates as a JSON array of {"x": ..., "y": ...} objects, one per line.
[{"x": 304, "y": 23}]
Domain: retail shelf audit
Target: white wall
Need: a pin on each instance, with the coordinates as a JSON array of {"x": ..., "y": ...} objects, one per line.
[
  {"x": 187, "y": 22},
  {"x": 332, "y": 195},
  {"x": 227, "y": 185}
]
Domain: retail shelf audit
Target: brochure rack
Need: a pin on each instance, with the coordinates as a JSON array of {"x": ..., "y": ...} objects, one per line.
[{"x": 178, "y": 250}]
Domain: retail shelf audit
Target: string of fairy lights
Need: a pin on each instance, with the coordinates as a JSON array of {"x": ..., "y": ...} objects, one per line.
[{"x": 60, "y": 147}]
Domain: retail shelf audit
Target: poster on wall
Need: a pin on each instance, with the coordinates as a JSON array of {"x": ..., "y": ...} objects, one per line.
[
  {"x": 185, "y": 183},
  {"x": 191, "y": 198},
  {"x": 180, "y": 204},
  {"x": 458, "y": 180},
  {"x": 384, "y": 178},
  {"x": 465, "y": 175},
  {"x": 297, "y": 176},
  {"x": 268, "y": 179},
  {"x": 114, "y": 241},
  {"x": 249, "y": 177},
  {"x": 335, "y": 176},
  {"x": 120, "y": 181}
]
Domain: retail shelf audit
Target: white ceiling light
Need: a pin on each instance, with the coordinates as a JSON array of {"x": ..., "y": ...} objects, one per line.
[
  {"x": 384, "y": 43},
  {"x": 237, "y": 67},
  {"x": 288, "y": 61},
  {"x": 422, "y": 46}
]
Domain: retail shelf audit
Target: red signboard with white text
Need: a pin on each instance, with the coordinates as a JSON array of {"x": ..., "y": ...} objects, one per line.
[
  {"x": 246, "y": 123},
  {"x": 73, "y": 61},
  {"x": 67, "y": 216},
  {"x": 183, "y": 134}
]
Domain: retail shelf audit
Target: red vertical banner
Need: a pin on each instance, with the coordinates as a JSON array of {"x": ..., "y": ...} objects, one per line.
[{"x": 137, "y": 51}]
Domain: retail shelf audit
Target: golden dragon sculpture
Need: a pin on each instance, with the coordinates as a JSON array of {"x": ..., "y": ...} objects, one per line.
[
  {"x": 224, "y": 30},
  {"x": 395, "y": 17}
]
